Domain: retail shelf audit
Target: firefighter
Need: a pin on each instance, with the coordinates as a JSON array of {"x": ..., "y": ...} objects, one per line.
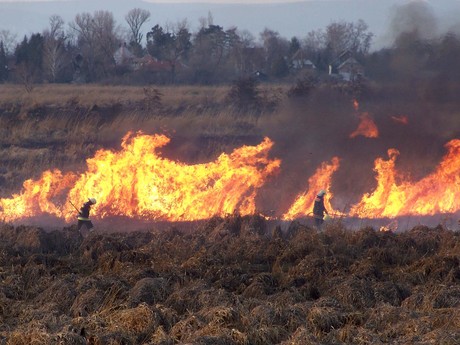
[
  {"x": 83, "y": 215},
  {"x": 319, "y": 209}
]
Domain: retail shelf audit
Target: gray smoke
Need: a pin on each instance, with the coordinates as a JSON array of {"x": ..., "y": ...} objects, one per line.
[{"x": 415, "y": 17}]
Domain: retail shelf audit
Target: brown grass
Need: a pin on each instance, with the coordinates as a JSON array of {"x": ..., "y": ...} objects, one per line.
[
  {"x": 104, "y": 95},
  {"x": 328, "y": 289},
  {"x": 89, "y": 95},
  {"x": 224, "y": 281},
  {"x": 60, "y": 126}
]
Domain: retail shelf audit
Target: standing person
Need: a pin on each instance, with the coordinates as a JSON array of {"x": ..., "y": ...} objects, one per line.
[
  {"x": 319, "y": 209},
  {"x": 83, "y": 215}
]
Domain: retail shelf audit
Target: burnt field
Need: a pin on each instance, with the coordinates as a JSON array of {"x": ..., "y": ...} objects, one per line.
[{"x": 231, "y": 280}]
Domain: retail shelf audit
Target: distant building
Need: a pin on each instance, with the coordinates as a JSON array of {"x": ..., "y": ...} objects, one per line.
[
  {"x": 124, "y": 57},
  {"x": 299, "y": 61},
  {"x": 346, "y": 66},
  {"x": 350, "y": 69},
  {"x": 149, "y": 63}
]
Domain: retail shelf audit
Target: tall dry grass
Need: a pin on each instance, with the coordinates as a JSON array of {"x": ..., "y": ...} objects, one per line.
[
  {"x": 60, "y": 126},
  {"x": 89, "y": 95},
  {"x": 73, "y": 113}
]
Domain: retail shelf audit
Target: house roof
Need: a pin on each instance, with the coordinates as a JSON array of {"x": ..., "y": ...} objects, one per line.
[
  {"x": 349, "y": 61},
  {"x": 299, "y": 55},
  {"x": 342, "y": 58}
]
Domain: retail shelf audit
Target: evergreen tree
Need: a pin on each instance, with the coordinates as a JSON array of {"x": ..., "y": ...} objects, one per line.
[
  {"x": 171, "y": 46},
  {"x": 29, "y": 55},
  {"x": 294, "y": 46},
  {"x": 3, "y": 63}
]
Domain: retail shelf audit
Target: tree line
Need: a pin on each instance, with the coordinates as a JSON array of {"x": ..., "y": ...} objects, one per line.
[{"x": 84, "y": 51}]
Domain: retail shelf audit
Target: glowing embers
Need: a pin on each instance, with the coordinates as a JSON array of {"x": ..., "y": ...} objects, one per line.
[
  {"x": 402, "y": 119},
  {"x": 367, "y": 127},
  {"x": 137, "y": 182}
]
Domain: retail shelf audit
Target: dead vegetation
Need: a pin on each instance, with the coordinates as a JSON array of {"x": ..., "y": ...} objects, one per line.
[
  {"x": 233, "y": 280},
  {"x": 230, "y": 281},
  {"x": 60, "y": 126}
]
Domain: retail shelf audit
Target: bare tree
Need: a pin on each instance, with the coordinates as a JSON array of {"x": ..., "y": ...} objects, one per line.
[
  {"x": 53, "y": 49},
  {"x": 83, "y": 28},
  {"x": 247, "y": 38},
  {"x": 341, "y": 36},
  {"x": 314, "y": 41},
  {"x": 276, "y": 48},
  {"x": 9, "y": 41},
  {"x": 135, "y": 19},
  {"x": 56, "y": 26},
  {"x": 97, "y": 38},
  {"x": 105, "y": 32},
  {"x": 243, "y": 46}
]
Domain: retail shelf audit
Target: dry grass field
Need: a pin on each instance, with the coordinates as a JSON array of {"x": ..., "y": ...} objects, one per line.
[
  {"x": 235, "y": 279},
  {"x": 60, "y": 126}
]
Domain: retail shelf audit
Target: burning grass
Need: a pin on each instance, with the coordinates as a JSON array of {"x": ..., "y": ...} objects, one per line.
[
  {"x": 231, "y": 280},
  {"x": 62, "y": 127}
]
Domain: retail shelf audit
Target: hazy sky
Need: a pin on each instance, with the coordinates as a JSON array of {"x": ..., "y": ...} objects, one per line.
[
  {"x": 186, "y": 1},
  {"x": 192, "y": 1},
  {"x": 287, "y": 17},
  {"x": 226, "y": 1}
]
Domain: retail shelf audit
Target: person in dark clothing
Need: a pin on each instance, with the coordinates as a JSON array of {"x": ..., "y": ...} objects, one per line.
[
  {"x": 319, "y": 209},
  {"x": 83, "y": 215}
]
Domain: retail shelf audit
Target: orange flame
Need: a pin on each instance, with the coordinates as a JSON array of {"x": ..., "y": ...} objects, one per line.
[
  {"x": 356, "y": 104},
  {"x": 38, "y": 197},
  {"x": 303, "y": 204},
  {"x": 137, "y": 183},
  {"x": 436, "y": 193},
  {"x": 392, "y": 226},
  {"x": 366, "y": 127}
]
